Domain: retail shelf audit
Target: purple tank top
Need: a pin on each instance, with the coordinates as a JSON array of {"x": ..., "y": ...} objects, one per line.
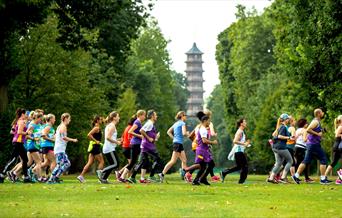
[
  {"x": 147, "y": 145},
  {"x": 314, "y": 139},
  {"x": 18, "y": 137},
  {"x": 136, "y": 140},
  {"x": 200, "y": 142}
]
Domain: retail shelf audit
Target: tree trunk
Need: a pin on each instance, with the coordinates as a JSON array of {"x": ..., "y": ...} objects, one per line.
[{"x": 3, "y": 98}]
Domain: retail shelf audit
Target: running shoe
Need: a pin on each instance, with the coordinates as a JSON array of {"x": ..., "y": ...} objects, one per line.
[
  {"x": 325, "y": 181},
  {"x": 118, "y": 175},
  {"x": 222, "y": 175},
  {"x": 338, "y": 182},
  {"x": 58, "y": 180},
  {"x": 196, "y": 182},
  {"x": 188, "y": 177},
  {"x": 81, "y": 179},
  {"x": 161, "y": 177},
  {"x": 295, "y": 179},
  {"x": 122, "y": 180},
  {"x": 99, "y": 174},
  {"x": 181, "y": 173},
  {"x": 132, "y": 180},
  {"x": 215, "y": 179},
  {"x": 1, "y": 179},
  {"x": 274, "y": 181},
  {"x": 10, "y": 176},
  {"x": 339, "y": 173},
  {"x": 152, "y": 179},
  {"x": 309, "y": 180},
  {"x": 205, "y": 182},
  {"x": 284, "y": 181},
  {"x": 28, "y": 180},
  {"x": 30, "y": 172},
  {"x": 277, "y": 177},
  {"x": 144, "y": 181},
  {"x": 105, "y": 181},
  {"x": 41, "y": 180}
]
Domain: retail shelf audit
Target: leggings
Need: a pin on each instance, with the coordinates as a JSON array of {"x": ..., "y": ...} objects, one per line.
[
  {"x": 62, "y": 164},
  {"x": 336, "y": 157},
  {"x": 204, "y": 171},
  {"x": 241, "y": 164},
  {"x": 18, "y": 150},
  {"x": 113, "y": 161},
  {"x": 299, "y": 156},
  {"x": 144, "y": 162},
  {"x": 280, "y": 156},
  {"x": 135, "y": 151}
]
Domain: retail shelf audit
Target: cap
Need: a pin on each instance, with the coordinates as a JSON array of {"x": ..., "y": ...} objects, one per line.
[{"x": 284, "y": 116}]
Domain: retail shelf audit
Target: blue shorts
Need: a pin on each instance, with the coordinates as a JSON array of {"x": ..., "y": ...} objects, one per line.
[{"x": 315, "y": 151}]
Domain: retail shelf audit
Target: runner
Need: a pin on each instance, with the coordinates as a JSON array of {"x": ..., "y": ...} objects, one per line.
[
  {"x": 126, "y": 147},
  {"x": 240, "y": 144},
  {"x": 94, "y": 148},
  {"x": 337, "y": 147},
  {"x": 280, "y": 151},
  {"x": 203, "y": 154},
  {"x": 290, "y": 144},
  {"x": 111, "y": 141},
  {"x": 47, "y": 143},
  {"x": 135, "y": 144},
  {"x": 62, "y": 161},
  {"x": 176, "y": 133},
  {"x": 314, "y": 148},
  {"x": 148, "y": 149},
  {"x": 33, "y": 147},
  {"x": 300, "y": 147},
  {"x": 19, "y": 137}
]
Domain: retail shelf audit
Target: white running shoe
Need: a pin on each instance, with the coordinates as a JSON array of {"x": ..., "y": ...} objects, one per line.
[{"x": 81, "y": 179}]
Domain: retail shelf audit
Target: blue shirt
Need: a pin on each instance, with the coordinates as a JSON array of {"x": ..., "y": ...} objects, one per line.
[{"x": 178, "y": 132}]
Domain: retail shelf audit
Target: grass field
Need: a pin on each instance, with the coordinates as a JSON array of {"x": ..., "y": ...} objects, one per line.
[{"x": 174, "y": 198}]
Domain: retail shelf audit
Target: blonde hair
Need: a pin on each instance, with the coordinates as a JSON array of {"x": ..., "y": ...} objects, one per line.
[
  {"x": 208, "y": 112},
  {"x": 111, "y": 116},
  {"x": 317, "y": 111},
  {"x": 179, "y": 115},
  {"x": 37, "y": 115},
  {"x": 337, "y": 121},
  {"x": 49, "y": 117},
  {"x": 140, "y": 112},
  {"x": 65, "y": 116}
]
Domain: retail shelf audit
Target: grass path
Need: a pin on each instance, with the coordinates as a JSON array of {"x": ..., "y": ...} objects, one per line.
[{"x": 174, "y": 198}]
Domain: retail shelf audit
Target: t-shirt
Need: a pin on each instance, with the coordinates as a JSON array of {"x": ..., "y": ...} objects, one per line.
[
  {"x": 280, "y": 144},
  {"x": 202, "y": 133},
  {"x": 126, "y": 137},
  {"x": 151, "y": 131},
  {"x": 136, "y": 140},
  {"x": 178, "y": 132}
]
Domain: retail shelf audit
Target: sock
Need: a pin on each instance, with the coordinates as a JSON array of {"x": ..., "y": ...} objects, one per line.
[
  {"x": 162, "y": 174},
  {"x": 323, "y": 177},
  {"x": 142, "y": 178},
  {"x": 296, "y": 175}
]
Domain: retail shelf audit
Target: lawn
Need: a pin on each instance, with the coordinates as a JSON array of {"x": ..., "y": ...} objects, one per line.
[{"x": 173, "y": 198}]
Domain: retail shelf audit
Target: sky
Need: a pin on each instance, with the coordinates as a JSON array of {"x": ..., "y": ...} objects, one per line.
[{"x": 184, "y": 22}]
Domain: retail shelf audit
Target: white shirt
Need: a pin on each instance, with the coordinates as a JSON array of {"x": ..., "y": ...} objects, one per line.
[
  {"x": 109, "y": 146},
  {"x": 60, "y": 143},
  {"x": 300, "y": 140},
  {"x": 148, "y": 126},
  {"x": 238, "y": 147}
]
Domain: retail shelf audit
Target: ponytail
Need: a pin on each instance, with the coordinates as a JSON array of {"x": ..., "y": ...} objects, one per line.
[
  {"x": 111, "y": 116},
  {"x": 337, "y": 121},
  {"x": 95, "y": 120},
  {"x": 65, "y": 116},
  {"x": 18, "y": 114}
]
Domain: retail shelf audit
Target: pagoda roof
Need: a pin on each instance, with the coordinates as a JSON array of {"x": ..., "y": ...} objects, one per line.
[{"x": 194, "y": 50}]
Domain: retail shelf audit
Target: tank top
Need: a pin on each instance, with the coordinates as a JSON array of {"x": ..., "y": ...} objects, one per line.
[
  {"x": 19, "y": 137},
  {"x": 315, "y": 139},
  {"x": 290, "y": 142},
  {"x": 241, "y": 148},
  {"x": 98, "y": 135},
  {"x": 300, "y": 139},
  {"x": 36, "y": 134},
  {"x": 126, "y": 137},
  {"x": 50, "y": 134},
  {"x": 109, "y": 146},
  {"x": 60, "y": 143}
]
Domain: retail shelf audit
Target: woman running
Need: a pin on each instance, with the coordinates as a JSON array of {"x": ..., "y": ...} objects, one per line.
[
  {"x": 126, "y": 147},
  {"x": 148, "y": 149},
  {"x": 94, "y": 149},
  {"x": 62, "y": 161},
  {"x": 280, "y": 151},
  {"x": 19, "y": 136},
  {"x": 337, "y": 147},
  {"x": 135, "y": 144},
  {"x": 203, "y": 154},
  {"x": 290, "y": 144},
  {"x": 176, "y": 133},
  {"x": 33, "y": 147},
  {"x": 47, "y": 143},
  {"x": 240, "y": 144},
  {"x": 300, "y": 147},
  {"x": 111, "y": 141}
]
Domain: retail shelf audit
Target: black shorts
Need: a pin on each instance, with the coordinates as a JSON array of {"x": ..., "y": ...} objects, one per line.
[
  {"x": 96, "y": 149},
  {"x": 178, "y": 147},
  {"x": 127, "y": 153},
  {"x": 46, "y": 150},
  {"x": 32, "y": 150}
]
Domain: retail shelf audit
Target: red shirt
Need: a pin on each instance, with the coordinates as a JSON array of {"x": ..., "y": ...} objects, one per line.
[{"x": 126, "y": 137}]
